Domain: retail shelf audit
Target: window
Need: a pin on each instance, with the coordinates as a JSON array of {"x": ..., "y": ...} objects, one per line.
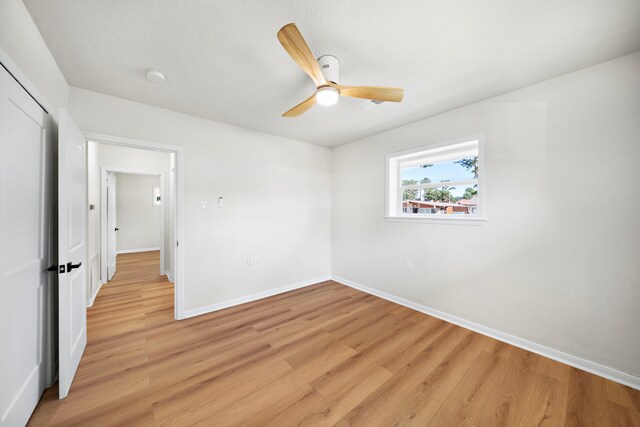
[{"x": 442, "y": 181}]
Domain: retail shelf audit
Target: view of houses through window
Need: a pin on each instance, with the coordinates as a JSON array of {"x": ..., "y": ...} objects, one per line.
[{"x": 441, "y": 183}]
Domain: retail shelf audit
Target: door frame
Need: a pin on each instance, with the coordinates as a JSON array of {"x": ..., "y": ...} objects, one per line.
[
  {"x": 178, "y": 206},
  {"x": 104, "y": 235}
]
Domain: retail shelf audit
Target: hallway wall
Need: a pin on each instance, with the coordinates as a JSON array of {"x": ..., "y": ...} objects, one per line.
[{"x": 138, "y": 219}]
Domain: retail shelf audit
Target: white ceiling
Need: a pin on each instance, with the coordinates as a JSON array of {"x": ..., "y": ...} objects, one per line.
[{"x": 223, "y": 61}]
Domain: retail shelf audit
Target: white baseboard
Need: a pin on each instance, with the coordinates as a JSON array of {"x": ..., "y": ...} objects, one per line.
[
  {"x": 253, "y": 297},
  {"x": 168, "y": 274},
  {"x": 560, "y": 356},
  {"x": 95, "y": 294},
  {"x": 130, "y": 251}
]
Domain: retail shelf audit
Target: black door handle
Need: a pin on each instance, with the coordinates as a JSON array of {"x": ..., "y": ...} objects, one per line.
[
  {"x": 71, "y": 266},
  {"x": 54, "y": 267},
  {"x": 117, "y": 229}
]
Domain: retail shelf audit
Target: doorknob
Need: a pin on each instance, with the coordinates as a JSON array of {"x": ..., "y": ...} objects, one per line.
[
  {"x": 71, "y": 266},
  {"x": 117, "y": 229}
]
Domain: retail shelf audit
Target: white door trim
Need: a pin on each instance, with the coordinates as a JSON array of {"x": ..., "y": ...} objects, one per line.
[
  {"x": 178, "y": 206},
  {"x": 104, "y": 170}
]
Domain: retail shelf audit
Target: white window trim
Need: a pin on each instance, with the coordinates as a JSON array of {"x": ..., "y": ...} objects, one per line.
[{"x": 393, "y": 213}]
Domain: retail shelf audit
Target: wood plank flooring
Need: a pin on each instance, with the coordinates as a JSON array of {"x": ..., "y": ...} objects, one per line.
[{"x": 319, "y": 356}]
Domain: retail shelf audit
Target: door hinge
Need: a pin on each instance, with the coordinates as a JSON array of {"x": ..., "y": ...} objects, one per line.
[{"x": 177, "y": 243}]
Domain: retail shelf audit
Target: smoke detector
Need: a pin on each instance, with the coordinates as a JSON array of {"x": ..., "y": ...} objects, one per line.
[{"x": 155, "y": 76}]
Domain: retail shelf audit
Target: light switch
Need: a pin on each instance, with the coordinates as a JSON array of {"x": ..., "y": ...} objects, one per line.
[{"x": 220, "y": 201}]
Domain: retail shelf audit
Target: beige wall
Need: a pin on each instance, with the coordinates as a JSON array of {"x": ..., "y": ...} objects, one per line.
[
  {"x": 557, "y": 261},
  {"x": 139, "y": 221}
]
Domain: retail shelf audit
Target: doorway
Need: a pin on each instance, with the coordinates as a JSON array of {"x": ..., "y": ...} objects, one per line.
[
  {"x": 145, "y": 176},
  {"x": 133, "y": 217}
]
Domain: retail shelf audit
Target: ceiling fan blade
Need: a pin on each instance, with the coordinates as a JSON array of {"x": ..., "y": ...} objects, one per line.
[
  {"x": 297, "y": 48},
  {"x": 378, "y": 93},
  {"x": 302, "y": 107}
]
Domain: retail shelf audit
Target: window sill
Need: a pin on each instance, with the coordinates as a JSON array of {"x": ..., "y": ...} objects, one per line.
[{"x": 439, "y": 220}]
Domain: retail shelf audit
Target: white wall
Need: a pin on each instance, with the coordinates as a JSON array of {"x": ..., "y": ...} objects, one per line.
[
  {"x": 124, "y": 159},
  {"x": 557, "y": 261},
  {"x": 21, "y": 40},
  {"x": 277, "y": 197},
  {"x": 138, "y": 219}
]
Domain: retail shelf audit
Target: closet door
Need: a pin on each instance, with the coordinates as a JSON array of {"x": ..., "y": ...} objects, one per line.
[{"x": 23, "y": 251}]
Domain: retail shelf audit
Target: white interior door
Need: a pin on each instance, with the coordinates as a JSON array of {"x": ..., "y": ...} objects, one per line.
[
  {"x": 72, "y": 250},
  {"x": 111, "y": 225},
  {"x": 23, "y": 251}
]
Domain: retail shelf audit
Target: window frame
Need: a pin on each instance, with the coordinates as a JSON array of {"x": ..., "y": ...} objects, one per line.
[{"x": 394, "y": 188}]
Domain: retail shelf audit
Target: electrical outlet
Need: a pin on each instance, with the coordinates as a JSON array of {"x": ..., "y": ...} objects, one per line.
[
  {"x": 408, "y": 264},
  {"x": 251, "y": 261}
]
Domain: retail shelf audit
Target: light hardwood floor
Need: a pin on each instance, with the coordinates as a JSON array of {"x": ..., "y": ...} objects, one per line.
[{"x": 321, "y": 355}]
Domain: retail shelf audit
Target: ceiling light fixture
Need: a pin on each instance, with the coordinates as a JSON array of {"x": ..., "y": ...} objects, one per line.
[
  {"x": 325, "y": 72},
  {"x": 155, "y": 76},
  {"x": 327, "y": 95}
]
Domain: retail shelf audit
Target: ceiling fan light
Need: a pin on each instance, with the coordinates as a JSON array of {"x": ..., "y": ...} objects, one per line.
[{"x": 327, "y": 95}]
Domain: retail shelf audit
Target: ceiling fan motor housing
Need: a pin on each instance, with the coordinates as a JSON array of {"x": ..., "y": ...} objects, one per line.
[{"x": 330, "y": 67}]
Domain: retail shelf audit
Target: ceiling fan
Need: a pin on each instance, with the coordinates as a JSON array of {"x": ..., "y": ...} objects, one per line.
[{"x": 327, "y": 89}]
